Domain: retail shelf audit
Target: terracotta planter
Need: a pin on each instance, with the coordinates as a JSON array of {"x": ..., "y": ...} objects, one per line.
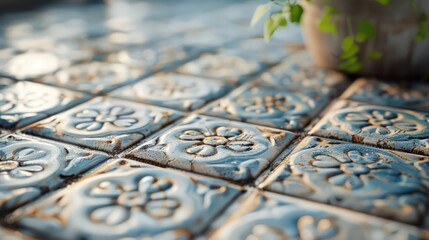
[{"x": 396, "y": 24}]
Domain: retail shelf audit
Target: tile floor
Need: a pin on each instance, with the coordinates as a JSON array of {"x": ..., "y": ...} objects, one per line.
[{"x": 138, "y": 120}]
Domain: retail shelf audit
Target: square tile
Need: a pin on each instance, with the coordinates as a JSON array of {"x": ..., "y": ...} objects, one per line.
[
  {"x": 181, "y": 92},
  {"x": 257, "y": 49},
  {"x": 415, "y": 97},
  {"x": 383, "y": 127},
  {"x": 385, "y": 183},
  {"x": 222, "y": 66},
  {"x": 270, "y": 216},
  {"x": 29, "y": 168},
  {"x": 216, "y": 147},
  {"x": 93, "y": 77},
  {"x": 125, "y": 199},
  {"x": 269, "y": 107},
  {"x": 25, "y": 102},
  {"x": 297, "y": 72},
  {"x": 105, "y": 124},
  {"x": 28, "y": 65}
]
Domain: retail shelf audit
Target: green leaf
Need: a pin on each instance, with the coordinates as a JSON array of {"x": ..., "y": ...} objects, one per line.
[
  {"x": 269, "y": 28},
  {"x": 375, "y": 54},
  {"x": 259, "y": 12},
  {"x": 422, "y": 32},
  {"x": 348, "y": 43},
  {"x": 384, "y": 2},
  {"x": 296, "y": 13},
  {"x": 354, "y": 50},
  {"x": 365, "y": 31},
  {"x": 351, "y": 65},
  {"x": 326, "y": 23}
]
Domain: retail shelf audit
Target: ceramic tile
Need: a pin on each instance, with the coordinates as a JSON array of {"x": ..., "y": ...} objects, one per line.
[
  {"x": 385, "y": 183},
  {"x": 93, "y": 77},
  {"x": 126, "y": 200},
  {"x": 221, "y": 66},
  {"x": 270, "y": 107},
  {"x": 375, "y": 125},
  {"x": 29, "y": 168},
  {"x": 105, "y": 124},
  {"x": 181, "y": 92},
  {"x": 25, "y": 102},
  {"x": 160, "y": 56},
  {"x": 257, "y": 49},
  {"x": 215, "y": 147},
  {"x": 30, "y": 64},
  {"x": 269, "y": 216},
  {"x": 415, "y": 97},
  {"x": 298, "y": 73}
]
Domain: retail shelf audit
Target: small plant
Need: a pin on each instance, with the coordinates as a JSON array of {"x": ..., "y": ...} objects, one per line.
[{"x": 281, "y": 12}]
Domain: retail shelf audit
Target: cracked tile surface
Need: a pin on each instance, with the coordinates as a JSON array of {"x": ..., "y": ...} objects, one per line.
[
  {"x": 215, "y": 147},
  {"x": 105, "y": 124},
  {"x": 269, "y": 107},
  {"x": 268, "y": 216},
  {"x": 384, "y": 183},
  {"x": 25, "y": 102},
  {"x": 175, "y": 91},
  {"x": 385, "y": 127},
  {"x": 29, "y": 168},
  {"x": 126, "y": 199}
]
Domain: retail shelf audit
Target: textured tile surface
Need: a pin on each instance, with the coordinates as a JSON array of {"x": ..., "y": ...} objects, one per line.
[
  {"x": 105, "y": 124},
  {"x": 29, "y": 168},
  {"x": 414, "y": 97},
  {"x": 222, "y": 66},
  {"x": 215, "y": 147},
  {"x": 270, "y": 107},
  {"x": 176, "y": 91},
  {"x": 127, "y": 200},
  {"x": 25, "y": 102},
  {"x": 386, "y": 183},
  {"x": 381, "y": 126},
  {"x": 93, "y": 77},
  {"x": 269, "y": 216},
  {"x": 296, "y": 72}
]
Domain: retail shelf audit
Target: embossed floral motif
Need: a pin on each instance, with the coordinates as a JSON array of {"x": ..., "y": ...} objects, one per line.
[
  {"x": 93, "y": 119},
  {"x": 381, "y": 122},
  {"x": 349, "y": 171},
  {"x": 10, "y": 100},
  {"x": 265, "y": 103},
  {"x": 171, "y": 88},
  {"x": 148, "y": 196},
  {"x": 207, "y": 143},
  {"x": 23, "y": 164}
]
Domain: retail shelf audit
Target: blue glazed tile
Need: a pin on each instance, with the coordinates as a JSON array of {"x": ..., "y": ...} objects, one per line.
[
  {"x": 93, "y": 77},
  {"x": 415, "y": 97},
  {"x": 25, "y": 102},
  {"x": 257, "y": 49},
  {"x": 270, "y": 107},
  {"x": 270, "y": 216},
  {"x": 297, "y": 72},
  {"x": 385, "y": 183},
  {"x": 175, "y": 91},
  {"x": 106, "y": 124},
  {"x": 29, "y": 168},
  {"x": 126, "y": 199},
  {"x": 222, "y": 66},
  {"x": 376, "y": 125},
  {"x": 211, "y": 146}
]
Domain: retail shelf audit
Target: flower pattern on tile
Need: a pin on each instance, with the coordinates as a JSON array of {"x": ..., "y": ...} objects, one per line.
[
  {"x": 367, "y": 179},
  {"x": 149, "y": 196},
  {"x": 40, "y": 101},
  {"x": 94, "y": 120},
  {"x": 274, "y": 108},
  {"x": 207, "y": 143},
  {"x": 384, "y": 127}
]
